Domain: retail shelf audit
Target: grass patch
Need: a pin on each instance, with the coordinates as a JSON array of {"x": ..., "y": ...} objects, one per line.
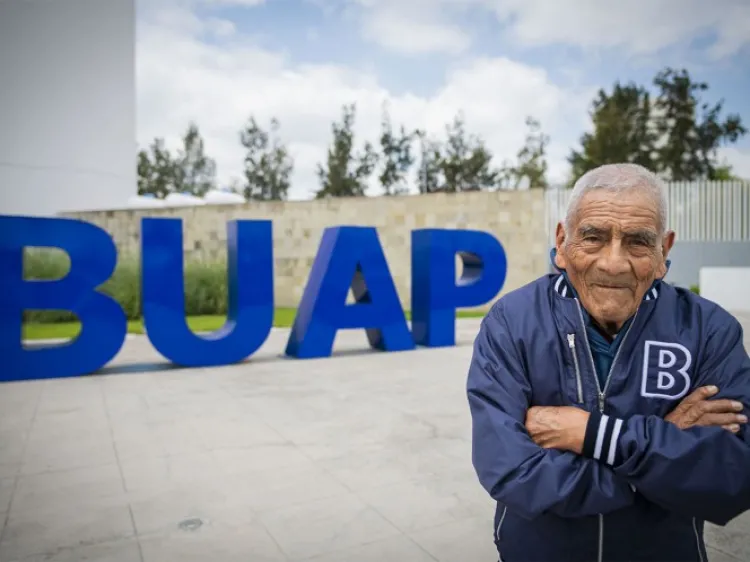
[
  {"x": 283, "y": 318},
  {"x": 205, "y": 286}
]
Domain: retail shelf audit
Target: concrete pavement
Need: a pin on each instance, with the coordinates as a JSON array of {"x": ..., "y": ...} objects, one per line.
[{"x": 364, "y": 456}]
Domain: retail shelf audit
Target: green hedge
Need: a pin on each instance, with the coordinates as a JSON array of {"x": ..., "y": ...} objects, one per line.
[{"x": 205, "y": 285}]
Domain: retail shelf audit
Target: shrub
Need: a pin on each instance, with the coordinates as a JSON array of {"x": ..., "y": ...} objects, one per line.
[
  {"x": 46, "y": 265},
  {"x": 205, "y": 285},
  {"x": 205, "y": 288}
]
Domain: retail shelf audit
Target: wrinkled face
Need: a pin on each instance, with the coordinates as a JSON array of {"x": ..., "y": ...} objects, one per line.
[{"x": 614, "y": 253}]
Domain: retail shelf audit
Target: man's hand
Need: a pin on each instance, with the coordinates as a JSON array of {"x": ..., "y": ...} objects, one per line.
[
  {"x": 564, "y": 427},
  {"x": 697, "y": 409},
  {"x": 557, "y": 427}
]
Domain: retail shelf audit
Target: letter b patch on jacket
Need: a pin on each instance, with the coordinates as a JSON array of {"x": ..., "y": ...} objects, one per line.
[{"x": 665, "y": 370}]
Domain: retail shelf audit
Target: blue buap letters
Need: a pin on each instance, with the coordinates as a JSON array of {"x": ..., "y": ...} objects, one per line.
[
  {"x": 435, "y": 294},
  {"x": 349, "y": 258},
  {"x": 250, "y": 294},
  {"x": 93, "y": 257}
]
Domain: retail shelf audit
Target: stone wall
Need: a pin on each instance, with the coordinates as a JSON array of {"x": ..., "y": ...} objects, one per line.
[{"x": 516, "y": 218}]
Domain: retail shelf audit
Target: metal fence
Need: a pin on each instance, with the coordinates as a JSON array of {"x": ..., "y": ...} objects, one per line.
[{"x": 702, "y": 211}]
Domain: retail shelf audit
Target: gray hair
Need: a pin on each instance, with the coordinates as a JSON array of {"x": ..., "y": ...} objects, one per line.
[{"x": 618, "y": 178}]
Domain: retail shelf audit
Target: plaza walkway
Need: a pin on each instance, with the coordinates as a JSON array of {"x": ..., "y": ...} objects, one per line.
[{"x": 365, "y": 456}]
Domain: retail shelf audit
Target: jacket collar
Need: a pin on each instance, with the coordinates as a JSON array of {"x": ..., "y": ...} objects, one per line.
[{"x": 564, "y": 287}]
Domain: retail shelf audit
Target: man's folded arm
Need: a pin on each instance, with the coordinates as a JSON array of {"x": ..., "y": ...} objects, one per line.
[
  {"x": 514, "y": 470},
  {"x": 701, "y": 471}
]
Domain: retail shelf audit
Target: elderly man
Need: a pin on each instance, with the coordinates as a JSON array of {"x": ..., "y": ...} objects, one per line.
[{"x": 608, "y": 407}]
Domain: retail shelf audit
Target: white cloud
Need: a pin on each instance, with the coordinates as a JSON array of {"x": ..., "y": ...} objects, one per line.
[
  {"x": 220, "y": 28},
  {"x": 400, "y": 32},
  {"x": 738, "y": 158},
  {"x": 412, "y": 27},
  {"x": 639, "y": 27},
  {"x": 248, "y": 3},
  {"x": 183, "y": 77}
]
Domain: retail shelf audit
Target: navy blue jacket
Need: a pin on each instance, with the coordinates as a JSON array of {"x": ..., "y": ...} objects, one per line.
[{"x": 642, "y": 488}]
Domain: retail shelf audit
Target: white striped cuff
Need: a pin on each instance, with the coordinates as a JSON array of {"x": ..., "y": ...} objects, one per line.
[{"x": 602, "y": 439}]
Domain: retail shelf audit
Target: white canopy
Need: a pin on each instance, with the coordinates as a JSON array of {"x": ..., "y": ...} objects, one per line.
[
  {"x": 220, "y": 196},
  {"x": 183, "y": 200},
  {"x": 144, "y": 202}
]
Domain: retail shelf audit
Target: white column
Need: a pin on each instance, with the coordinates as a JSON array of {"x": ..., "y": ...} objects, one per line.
[
  {"x": 67, "y": 105},
  {"x": 729, "y": 287}
]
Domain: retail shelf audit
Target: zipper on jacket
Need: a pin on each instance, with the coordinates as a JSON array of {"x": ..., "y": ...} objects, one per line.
[
  {"x": 500, "y": 525},
  {"x": 579, "y": 384},
  {"x": 698, "y": 540},
  {"x": 602, "y": 397},
  {"x": 602, "y": 392},
  {"x": 614, "y": 361}
]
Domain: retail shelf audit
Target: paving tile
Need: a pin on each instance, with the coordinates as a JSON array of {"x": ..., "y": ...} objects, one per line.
[
  {"x": 155, "y": 474},
  {"x": 18, "y": 406},
  {"x": 9, "y": 470},
  {"x": 244, "y": 460},
  {"x": 715, "y": 555},
  {"x": 69, "y": 395},
  {"x": 734, "y": 539},
  {"x": 236, "y": 431},
  {"x": 429, "y": 458},
  {"x": 418, "y": 504},
  {"x": 326, "y": 525},
  {"x": 212, "y": 541},
  {"x": 12, "y": 446},
  {"x": 45, "y": 454},
  {"x": 470, "y": 539},
  {"x": 176, "y": 437},
  {"x": 369, "y": 468},
  {"x": 63, "y": 526},
  {"x": 119, "y": 551},
  {"x": 161, "y": 512},
  {"x": 393, "y": 549},
  {"x": 68, "y": 438},
  {"x": 269, "y": 489},
  {"x": 331, "y": 449},
  {"x": 135, "y": 446},
  {"x": 87, "y": 487},
  {"x": 7, "y": 486}
]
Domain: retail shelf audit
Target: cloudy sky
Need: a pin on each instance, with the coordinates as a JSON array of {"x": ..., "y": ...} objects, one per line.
[{"x": 218, "y": 62}]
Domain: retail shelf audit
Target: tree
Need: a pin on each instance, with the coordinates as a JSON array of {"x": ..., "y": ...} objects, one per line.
[
  {"x": 268, "y": 165},
  {"x": 724, "y": 172},
  {"x": 429, "y": 174},
  {"x": 195, "y": 173},
  {"x": 461, "y": 163},
  {"x": 145, "y": 173},
  {"x": 466, "y": 162},
  {"x": 156, "y": 170},
  {"x": 623, "y": 131},
  {"x": 690, "y": 130},
  {"x": 677, "y": 134},
  {"x": 235, "y": 185},
  {"x": 345, "y": 173},
  {"x": 397, "y": 157},
  {"x": 531, "y": 166}
]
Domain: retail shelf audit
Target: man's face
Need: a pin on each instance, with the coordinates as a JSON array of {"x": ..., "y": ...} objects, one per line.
[{"x": 614, "y": 253}]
